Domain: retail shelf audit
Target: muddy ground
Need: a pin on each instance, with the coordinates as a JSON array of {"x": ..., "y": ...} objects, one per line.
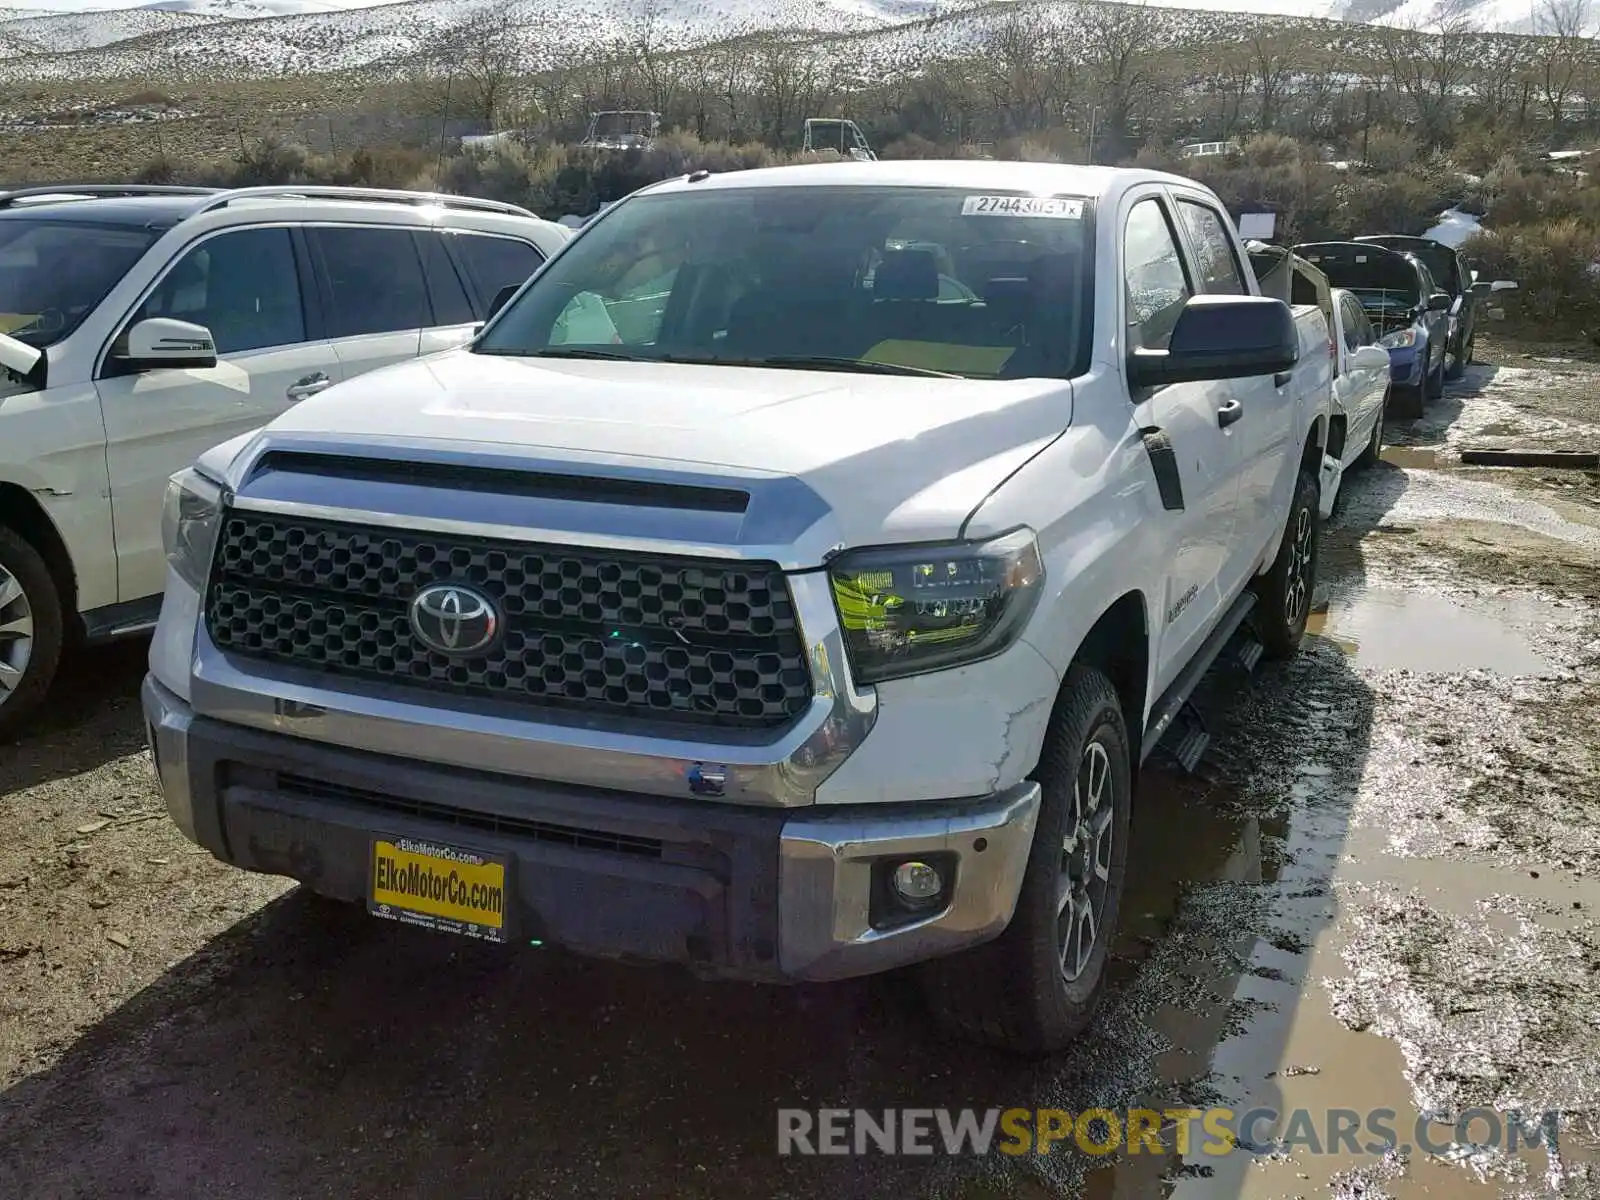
[{"x": 1382, "y": 891}]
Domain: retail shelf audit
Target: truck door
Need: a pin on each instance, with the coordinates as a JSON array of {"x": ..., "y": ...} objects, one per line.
[
  {"x": 1264, "y": 432},
  {"x": 1199, "y": 422}
]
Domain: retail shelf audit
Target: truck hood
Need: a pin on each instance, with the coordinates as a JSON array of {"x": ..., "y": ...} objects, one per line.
[{"x": 893, "y": 458}]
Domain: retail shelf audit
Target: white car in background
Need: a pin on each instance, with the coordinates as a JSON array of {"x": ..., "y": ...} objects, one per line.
[
  {"x": 140, "y": 326},
  {"x": 1361, "y": 366}
]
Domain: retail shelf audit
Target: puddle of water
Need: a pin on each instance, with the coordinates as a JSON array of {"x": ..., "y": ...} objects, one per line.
[
  {"x": 1416, "y": 457},
  {"x": 1421, "y": 631}
]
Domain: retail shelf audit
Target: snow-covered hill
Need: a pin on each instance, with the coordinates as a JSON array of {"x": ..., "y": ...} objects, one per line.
[{"x": 244, "y": 38}]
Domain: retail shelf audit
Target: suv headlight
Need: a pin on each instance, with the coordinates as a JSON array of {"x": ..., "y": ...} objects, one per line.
[
  {"x": 190, "y": 520},
  {"x": 906, "y": 610},
  {"x": 1399, "y": 339}
]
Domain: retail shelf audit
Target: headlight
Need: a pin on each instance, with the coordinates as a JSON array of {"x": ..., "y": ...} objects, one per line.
[
  {"x": 189, "y": 523},
  {"x": 906, "y": 610},
  {"x": 1399, "y": 339}
]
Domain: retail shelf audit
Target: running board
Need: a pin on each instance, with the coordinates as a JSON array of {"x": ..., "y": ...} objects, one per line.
[{"x": 1172, "y": 704}]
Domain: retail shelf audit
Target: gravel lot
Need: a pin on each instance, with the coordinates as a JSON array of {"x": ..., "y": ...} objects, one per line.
[{"x": 1381, "y": 890}]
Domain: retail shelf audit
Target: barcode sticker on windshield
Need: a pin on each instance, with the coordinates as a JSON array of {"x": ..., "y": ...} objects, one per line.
[{"x": 1052, "y": 207}]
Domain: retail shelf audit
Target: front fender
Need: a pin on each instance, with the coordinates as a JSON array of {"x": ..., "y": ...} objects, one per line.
[{"x": 53, "y": 447}]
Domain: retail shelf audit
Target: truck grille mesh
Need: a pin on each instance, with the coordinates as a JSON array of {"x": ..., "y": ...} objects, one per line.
[{"x": 710, "y": 643}]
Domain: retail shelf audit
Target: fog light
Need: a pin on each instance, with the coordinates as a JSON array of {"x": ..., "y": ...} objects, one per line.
[{"x": 916, "y": 882}]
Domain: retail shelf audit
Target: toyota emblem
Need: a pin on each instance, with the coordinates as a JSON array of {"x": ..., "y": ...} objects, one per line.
[{"x": 454, "y": 620}]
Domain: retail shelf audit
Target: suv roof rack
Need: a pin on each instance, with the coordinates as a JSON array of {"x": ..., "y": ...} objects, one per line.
[
  {"x": 387, "y": 195},
  {"x": 90, "y": 191}
]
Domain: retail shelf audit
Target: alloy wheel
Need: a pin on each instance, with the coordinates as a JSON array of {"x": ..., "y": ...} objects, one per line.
[
  {"x": 16, "y": 634},
  {"x": 1297, "y": 595},
  {"x": 1085, "y": 862}
]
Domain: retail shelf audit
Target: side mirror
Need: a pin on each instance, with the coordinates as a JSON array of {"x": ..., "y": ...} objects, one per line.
[
  {"x": 1221, "y": 337},
  {"x": 1440, "y": 302},
  {"x": 161, "y": 342},
  {"x": 1503, "y": 285},
  {"x": 500, "y": 299},
  {"x": 1369, "y": 358}
]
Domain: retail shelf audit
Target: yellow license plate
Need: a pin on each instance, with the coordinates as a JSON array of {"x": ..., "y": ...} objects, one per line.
[{"x": 439, "y": 887}]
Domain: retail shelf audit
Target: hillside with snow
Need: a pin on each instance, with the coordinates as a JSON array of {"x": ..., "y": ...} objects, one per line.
[{"x": 222, "y": 39}]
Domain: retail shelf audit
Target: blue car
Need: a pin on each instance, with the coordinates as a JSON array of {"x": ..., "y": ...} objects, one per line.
[{"x": 1407, "y": 308}]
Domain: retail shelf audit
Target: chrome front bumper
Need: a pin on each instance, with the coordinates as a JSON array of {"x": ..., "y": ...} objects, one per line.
[{"x": 731, "y": 891}]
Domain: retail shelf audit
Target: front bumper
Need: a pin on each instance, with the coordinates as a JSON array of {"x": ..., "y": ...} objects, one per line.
[
  {"x": 1407, "y": 365},
  {"x": 728, "y": 891}
]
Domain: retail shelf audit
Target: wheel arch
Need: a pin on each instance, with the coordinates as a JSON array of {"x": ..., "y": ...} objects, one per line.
[
  {"x": 1118, "y": 644},
  {"x": 22, "y": 513}
]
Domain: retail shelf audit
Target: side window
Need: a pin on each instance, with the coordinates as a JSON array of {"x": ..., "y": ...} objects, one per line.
[
  {"x": 1352, "y": 320},
  {"x": 1368, "y": 334},
  {"x": 494, "y": 262},
  {"x": 450, "y": 303},
  {"x": 1214, "y": 257},
  {"x": 1154, "y": 276},
  {"x": 242, "y": 285},
  {"x": 374, "y": 280}
]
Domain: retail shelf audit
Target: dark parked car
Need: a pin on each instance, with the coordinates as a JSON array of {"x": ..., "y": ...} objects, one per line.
[
  {"x": 1449, "y": 270},
  {"x": 1407, "y": 308}
]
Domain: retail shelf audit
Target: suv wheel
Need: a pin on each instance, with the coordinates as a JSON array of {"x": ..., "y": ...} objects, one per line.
[
  {"x": 1283, "y": 594},
  {"x": 1035, "y": 988},
  {"x": 1456, "y": 363},
  {"x": 31, "y": 630}
]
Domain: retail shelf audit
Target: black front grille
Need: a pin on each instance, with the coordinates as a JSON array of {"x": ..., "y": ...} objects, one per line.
[{"x": 687, "y": 640}]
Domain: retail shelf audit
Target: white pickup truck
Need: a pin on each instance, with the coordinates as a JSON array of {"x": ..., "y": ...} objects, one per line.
[{"x": 814, "y": 621}]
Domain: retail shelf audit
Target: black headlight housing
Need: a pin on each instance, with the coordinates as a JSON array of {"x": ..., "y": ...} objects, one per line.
[{"x": 908, "y": 610}]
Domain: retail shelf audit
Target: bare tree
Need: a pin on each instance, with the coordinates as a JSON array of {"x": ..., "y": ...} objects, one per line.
[
  {"x": 476, "y": 65},
  {"x": 1272, "y": 76},
  {"x": 1559, "y": 55},
  {"x": 1428, "y": 65},
  {"x": 1027, "y": 73},
  {"x": 1119, "y": 43}
]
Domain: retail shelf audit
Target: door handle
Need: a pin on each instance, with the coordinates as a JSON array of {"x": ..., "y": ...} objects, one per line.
[
  {"x": 1229, "y": 413},
  {"x": 1281, "y": 379},
  {"x": 308, "y": 386}
]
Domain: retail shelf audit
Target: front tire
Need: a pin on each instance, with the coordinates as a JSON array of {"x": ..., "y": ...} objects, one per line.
[
  {"x": 1456, "y": 364},
  {"x": 1283, "y": 594},
  {"x": 1433, "y": 381},
  {"x": 1036, "y": 987},
  {"x": 32, "y": 630}
]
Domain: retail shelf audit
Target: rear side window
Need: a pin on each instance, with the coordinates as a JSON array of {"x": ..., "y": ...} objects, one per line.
[
  {"x": 1154, "y": 275},
  {"x": 450, "y": 303},
  {"x": 1213, "y": 252},
  {"x": 494, "y": 262},
  {"x": 374, "y": 280}
]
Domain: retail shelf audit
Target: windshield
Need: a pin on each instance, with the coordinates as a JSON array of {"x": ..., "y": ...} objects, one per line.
[
  {"x": 1438, "y": 258},
  {"x": 876, "y": 279},
  {"x": 54, "y": 273}
]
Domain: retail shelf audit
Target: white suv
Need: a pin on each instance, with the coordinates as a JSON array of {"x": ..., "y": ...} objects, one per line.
[{"x": 141, "y": 325}]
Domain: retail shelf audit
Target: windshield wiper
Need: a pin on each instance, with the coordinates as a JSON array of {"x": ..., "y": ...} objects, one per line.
[
  {"x": 573, "y": 352},
  {"x": 822, "y": 363}
]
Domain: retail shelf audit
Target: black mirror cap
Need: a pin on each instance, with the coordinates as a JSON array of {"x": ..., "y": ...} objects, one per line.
[
  {"x": 500, "y": 299},
  {"x": 138, "y": 366},
  {"x": 1221, "y": 337},
  {"x": 1440, "y": 302}
]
